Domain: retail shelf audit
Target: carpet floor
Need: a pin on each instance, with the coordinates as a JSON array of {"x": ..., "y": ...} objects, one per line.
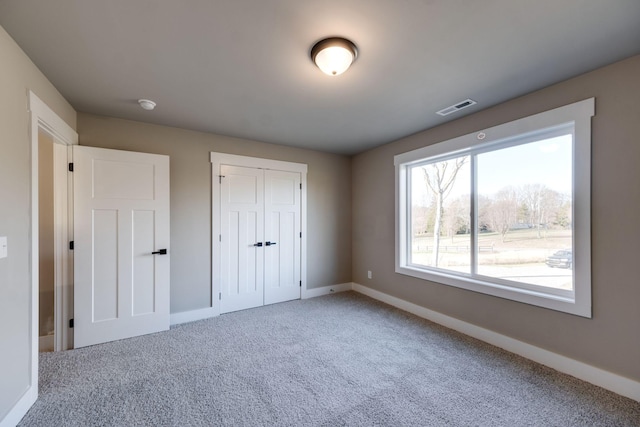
[{"x": 338, "y": 360}]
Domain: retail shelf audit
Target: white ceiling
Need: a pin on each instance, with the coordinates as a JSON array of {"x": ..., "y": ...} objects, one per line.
[{"x": 241, "y": 67}]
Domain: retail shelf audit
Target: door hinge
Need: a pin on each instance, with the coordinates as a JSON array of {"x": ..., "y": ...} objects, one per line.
[
  {"x": 300, "y": 283},
  {"x": 301, "y": 234},
  {"x": 301, "y": 186},
  {"x": 71, "y": 323},
  {"x": 219, "y": 237},
  {"x": 70, "y": 167},
  {"x": 220, "y": 296},
  {"x": 71, "y": 245}
]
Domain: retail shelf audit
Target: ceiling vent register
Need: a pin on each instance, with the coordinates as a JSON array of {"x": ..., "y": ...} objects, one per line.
[{"x": 457, "y": 107}]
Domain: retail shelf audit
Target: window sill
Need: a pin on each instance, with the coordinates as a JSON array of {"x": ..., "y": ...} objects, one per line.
[{"x": 565, "y": 303}]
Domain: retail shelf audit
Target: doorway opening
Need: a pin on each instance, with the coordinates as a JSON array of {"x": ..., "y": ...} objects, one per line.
[
  {"x": 46, "y": 253},
  {"x": 54, "y": 259},
  {"x": 52, "y": 268}
]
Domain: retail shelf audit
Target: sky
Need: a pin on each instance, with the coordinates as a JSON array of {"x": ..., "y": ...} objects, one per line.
[{"x": 547, "y": 162}]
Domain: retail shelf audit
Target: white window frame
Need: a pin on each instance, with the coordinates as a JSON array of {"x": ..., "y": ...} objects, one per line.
[{"x": 577, "y": 301}]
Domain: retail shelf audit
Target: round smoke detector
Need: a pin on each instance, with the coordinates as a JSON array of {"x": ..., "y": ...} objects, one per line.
[{"x": 147, "y": 104}]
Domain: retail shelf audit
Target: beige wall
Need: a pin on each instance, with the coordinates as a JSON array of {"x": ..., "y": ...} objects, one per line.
[
  {"x": 17, "y": 75},
  {"x": 329, "y": 200},
  {"x": 46, "y": 234},
  {"x": 610, "y": 340}
]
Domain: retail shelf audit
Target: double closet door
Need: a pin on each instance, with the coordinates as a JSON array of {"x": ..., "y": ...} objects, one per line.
[{"x": 260, "y": 236}]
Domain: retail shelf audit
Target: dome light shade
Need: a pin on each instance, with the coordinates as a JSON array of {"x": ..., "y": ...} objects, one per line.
[{"x": 334, "y": 55}]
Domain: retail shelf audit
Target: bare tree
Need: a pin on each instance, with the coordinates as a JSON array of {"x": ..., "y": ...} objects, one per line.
[
  {"x": 421, "y": 218},
  {"x": 542, "y": 205},
  {"x": 551, "y": 207},
  {"x": 484, "y": 203},
  {"x": 563, "y": 212},
  {"x": 440, "y": 178},
  {"x": 502, "y": 211},
  {"x": 456, "y": 216},
  {"x": 532, "y": 198}
]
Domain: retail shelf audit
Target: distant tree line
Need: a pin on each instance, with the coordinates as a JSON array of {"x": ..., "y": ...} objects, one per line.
[
  {"x": 533, "y": 206},
  {"x": 528, "y": 206}
]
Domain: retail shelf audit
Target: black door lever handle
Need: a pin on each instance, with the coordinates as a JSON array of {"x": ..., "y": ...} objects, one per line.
[
  {"x": 271, "y": 243},
  {"x": 159, "y": 252},
  {"x": 258, "y": 244}
]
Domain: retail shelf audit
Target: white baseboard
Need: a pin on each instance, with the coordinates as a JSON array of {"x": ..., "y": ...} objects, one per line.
[
  {"x": 326, "y": 290},
  {"x": 20, "y": 409},
  {"x": 46, "y": 343},
  {"x": 206, "y": 313},
  {"x": 608, "y": 380},
  {"x": 191, "y": 316}
]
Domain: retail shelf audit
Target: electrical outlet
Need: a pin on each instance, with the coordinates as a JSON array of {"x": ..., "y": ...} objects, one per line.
[{"x": 369, "y": 274}]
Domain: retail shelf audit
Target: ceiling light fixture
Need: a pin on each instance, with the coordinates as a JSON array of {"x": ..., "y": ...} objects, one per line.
[
  {"x": 147, "y": 104},
  {"x": 334, "y": 55}
]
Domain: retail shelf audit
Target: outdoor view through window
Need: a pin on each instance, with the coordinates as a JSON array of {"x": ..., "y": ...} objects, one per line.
[{"x": 520, "y": 195}]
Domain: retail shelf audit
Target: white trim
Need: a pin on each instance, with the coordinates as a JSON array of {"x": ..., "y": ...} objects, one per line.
[
  {"x": 257, "y": 162},
  {"x": 66, "y": 309},
  {"x": 192, "y": 316},
  {"x": 63, "y": 269},
  {"x": 605, "y": 379},
  {"x": 577, "y": 301},
  {"x": 303, "y": 230},
  {"x": 41, "y": 117},
  {"x": 326, "y": 290},
  {"x": 209, "y": 312},
  {"x": 218, "y": 159},
  {"x": 465, "y": 143},
  {"x": 20, "y": 409},
  {"x": 46, "y": 343}
]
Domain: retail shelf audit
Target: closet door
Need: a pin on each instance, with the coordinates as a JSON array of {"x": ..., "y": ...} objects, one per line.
[
  {"x": 241, "y": 238},
  {"x": 258, "y": 224},
  {"x": 282, "y": 236}
]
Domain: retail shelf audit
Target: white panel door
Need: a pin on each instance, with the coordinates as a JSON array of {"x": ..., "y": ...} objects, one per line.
[
  {"x": 242, "y": 238},
  {"x": 121, "y": 224},
  {"x": 282, "y": 235}
]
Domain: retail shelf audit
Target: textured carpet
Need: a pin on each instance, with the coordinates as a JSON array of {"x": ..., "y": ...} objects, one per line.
[{"x": 339, "y": 360}]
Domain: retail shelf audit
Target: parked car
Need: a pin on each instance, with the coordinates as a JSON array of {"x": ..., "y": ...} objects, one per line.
[{"x": 561, "y": 259}]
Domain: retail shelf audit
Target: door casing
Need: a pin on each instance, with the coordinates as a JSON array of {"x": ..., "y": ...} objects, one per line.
[{"x": 45, "y": 119}]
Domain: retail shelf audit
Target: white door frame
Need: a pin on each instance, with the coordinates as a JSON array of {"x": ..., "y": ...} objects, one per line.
[
  {"x": 218, "y": 159},
  {"x": 45, "y": 119},
  {"x": 63, "y": 261}
]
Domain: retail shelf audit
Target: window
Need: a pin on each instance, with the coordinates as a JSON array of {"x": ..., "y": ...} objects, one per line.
[{"x": 504, "y": 211}]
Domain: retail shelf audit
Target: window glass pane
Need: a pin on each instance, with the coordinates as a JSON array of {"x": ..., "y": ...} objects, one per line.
[
  {"x": 524, "y": 213},
  {"x": 440, "y": 215}
]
